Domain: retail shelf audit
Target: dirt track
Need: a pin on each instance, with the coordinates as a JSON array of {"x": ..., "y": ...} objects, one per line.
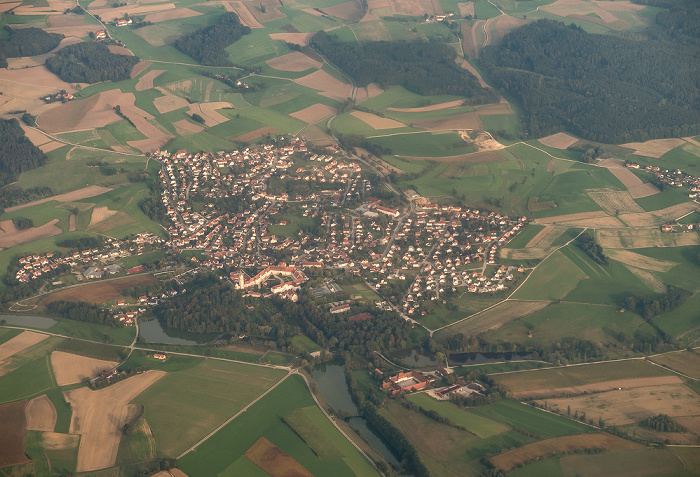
[{"x": 71, "y": 368}]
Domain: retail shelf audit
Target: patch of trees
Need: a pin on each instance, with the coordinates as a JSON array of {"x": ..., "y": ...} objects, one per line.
[
  {"x": 12, "y": 195},
  {"x": 29, "y": 119},
  {"x": 81, "y": 311},
  {"x": 650, "y": 308},
  {"x": 153, "y": 206},
  {"x": 679, "y": 21},
  {"x": 207, "y": 45},
  {"x": 592, "y": 153},
  {"x": 605, "y": 88},
  {"x": 592, "y": 248},
  {"x": 197, "y": 118},
  {"x": 27, "y": 42},
  {"x": 422, "y": 68},
  {"x": 23, "y": 223},
  {"x": 662, "y": 423},
  {"x": 352, "y": 141},
  {"x": 82, "y": 243},
  {"x": 90, "y": 63},
  {"x": 17, "y": 153}
]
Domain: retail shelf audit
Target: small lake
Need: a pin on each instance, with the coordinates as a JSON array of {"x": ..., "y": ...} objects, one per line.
[
  {"x": 153, "y": 332},
  {"x": 413, "y": 359},
  {"x": 29, "y": 321},
  {"x": 330, "y": 381}
]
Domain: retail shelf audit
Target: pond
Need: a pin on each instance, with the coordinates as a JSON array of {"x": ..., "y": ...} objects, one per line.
[
  {"x": 413, "y": 359},
  {"x": 330, "y": 381},
  {"x": 29, "y": 321},
  {"x": 153, "y": 332}
]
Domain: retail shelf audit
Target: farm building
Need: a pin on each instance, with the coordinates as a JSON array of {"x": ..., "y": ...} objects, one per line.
[{"x": 405, "y": 382}]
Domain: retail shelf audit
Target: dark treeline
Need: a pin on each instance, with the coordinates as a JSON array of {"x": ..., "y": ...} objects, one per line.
[
  {"x": 652, "y": 307},
  {"x": 27, "y": 42},
  {"x": 207, "y": 45},
  {"x": 153, "y": 206},
  {"x": 17, "y": 153},
  {"x": 82, "y": 243},
  {"x": 589, "y": 245},
  {"x": 423, "y": 68},
  {"x": 352, "y": 141},
  {"x": 12, "y": 195},
  {"x": 662, "y": 423},
  {"x": 602, "y": 87},
  {"x": 81, "y": 311},
  {"x": 680, "y": 19},
  {"x": 90, "y": 63}
]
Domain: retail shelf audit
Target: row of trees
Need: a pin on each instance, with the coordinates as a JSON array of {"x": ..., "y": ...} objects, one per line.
[
  {"x": 27, "y": 42},
  {"x": 662, "y": 423},
  {"x": 81, "y": 311},
  {"x": 17, "y": 153},
  {"x": 650, "y": 308},
  {"x": 592, "y": 248},
  {"x": 90, "y": 63},
  {"x": 13, "y": 195},
  {"x": 207, "y": 44},
  {"x": 423, "y": 68}
]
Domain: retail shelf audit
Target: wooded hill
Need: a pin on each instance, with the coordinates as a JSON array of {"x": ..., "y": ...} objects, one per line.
[
  {"x": 90, "y": 63},
  {"x": 423, "y": 68},
  {"x": 17, "y": 153},
  {"x": 207, "y": 45},
  {"x": 27, "y": 42},
  {"x": 604, "y": 88}
]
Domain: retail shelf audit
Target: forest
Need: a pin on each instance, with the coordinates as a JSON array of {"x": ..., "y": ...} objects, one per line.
[
  {"x": 27, "y": 42},
  {"x": 207, "y": 45},
  {"x": 81, "y": 311},
  {"x": 605, "y": 88},
  {"x": 17, "y": 153},
  {"x": 90, "y": 63},
  {"x": 422, "y": 68}
]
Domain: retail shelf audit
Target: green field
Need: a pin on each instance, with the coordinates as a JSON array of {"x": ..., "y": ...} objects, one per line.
[
  {"x": 94, "y": 332},
  {"x": 93, "y": 350},
  {"x": 304, "y": 344},
  {"x": 361, "y": 290},
  {"x": 524, "y": 236},
  {"x": 553, "y": 279},
  {"x": 184, "y": 406},
  {"x": 307, "y": 423},
  {"x": 29, "y": 381}
]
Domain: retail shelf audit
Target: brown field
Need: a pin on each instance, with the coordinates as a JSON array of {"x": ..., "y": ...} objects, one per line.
[
  {"x": 505, "y": 24},
  {"x": 35, "y": 136},
  {"x": 153, "y": 36},
  {"x": 629, "y": 406},
  {"x": 456, "y": 122},
  {"x": 139, "y": 68},
  {"x": 348, "y": 11},
  {"x": 604, "y": 386},
  {"x": 377, "y": 122},
  {"x": 314, "y": 113},
  {"x": 71, "y": 368},
  {"x": 40, "y": 414},
  {"x": 654, "y": 148},
  {"x": 472, "y": 158},
  {"x": 619, "y": 6},
  {"x": 171, "y": 15},
  {"x": 636, "y": 187},
  {"x": 323, "y": 81},
  {"x": 209, "y": 113},
  {"x": 494, "y": 108},
  {"x": 570, "y": 217},
  {"x": 513, "y": 458},
  {"x": 644, "y": 238},
  {"x": 416, "y": 7},
  {"x": 111, "y": 14},
  {"x": 79, "y": 194},
  {"x": 12, "y": 435},
  {"x": 545, "y": 232},
  {"x": 58, "y": 441},
  {"x": 146, "y": 81},
  {"x": 368, "y": 92},
  {"x": 252, "y": 135},
  {"x": 72, "y": 223},
  {"x": 294, "y": 61},
  {"x": 313, "y": 12},
  {"x": 614, "y": 201},
  {"x": 271, "y": 10},
  {"x": 169, "y": 102},
  {"x": 686, "y": 362},
  {"x": 432, "y": 107},
  {"x": 12, "y": 236},
  {"x": 116, "y": 220},
  {"x": 274, "y": 460},
  {"x": 624, "y": 463},
  {"x": 74, "y": 115},
  {"x": 551, "y": 163},
  {"x": 498, "y": 316},
  {"x": 558, "y": 141},
  {"x": 466, "y": 8},
  {"x": 659, "y": 217},
  {"x": 99, "y": 214},
  {"x": 98, "y": 416},
  {"x": 4, "y": 7},
  {"x": 23, "y": 88},
  {"x": 185, "y": 127},
  {"x": 243, "y": 13},
  {"x": 301, "y": 39},
  {"x": 51, "y": 146},
  {"x": 641, "y": 261},
  {"x": 20, "y": 342},
  {"x": 99, "y": 292},
  {"x": 120, "y": 50},
  {"x": 465, "y": 65}
]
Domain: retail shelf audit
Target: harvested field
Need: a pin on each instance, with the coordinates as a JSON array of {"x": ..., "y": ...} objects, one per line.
[
  {"x": 171, "y": 15},
  {"x": 252, "y": 135},
  {"x": 35, "y": 136},
  {"x": 73, "y": 223},
  {"x": 541, "y": 235},
  {"x": 514, "y": 458},
  {"x": 558, "y": 141},
  {"x": 604, "y": 386},
  {"x": 51, "y": 146},
  {"x": 370, "y": 91},
  {"x": 12, "y": 435},
  {"x": 209, "y": 113},
  {"x": 11, "y": 235},
  {"x": 79, "y": 194},
  {"x": 377, "y": 122},
  {"x": 644, "y": 238},
  {"x": 525, "y": 253},
  {"x": 314, "y": 113},
  {"x": 40, "y": 414},
  {"x": 71, "y": 116},
  {"x": 474, "y": 157},
  {"x": 623, "y": 463},
  {"x": 416, "y": 7},
  {"x": 169, "y": 102},
  {"x": 614, "y": 202},
  {"x": 146, "y": 81},
  {"x": 505, "y": 24},
  {"x": 71, "y": 368},
  {"x": 294, "y": 61},
  {"x": 496, "y": 317},
  {"x": 98, "y": 416},
  {"x": 654, "y": 148},
  {"x": 99, "y": 214},
  {"x": 20, "y": 342},
  {"x": 466, "y": 8},
  {"x": 111, "y": 14},
  {"x": 348, "y": 11},
  {"x": 640, "y": 261},
  {"x": 58, "y": 441},
  {"x": 301, "y": 39},
  {"x": 551, "y": 163},
  {"x": 98, "y": 292},
  {"x": 7, "y": 6},
  {"x": 117, "y": 220},
  {"x": 686, "y": 362},
  {"x": 659, "y": 217},
  {"x": 120, "y": 50},
  {"x": 432, "y": 107},
  {"x": 634, "y": 184},
  {"x": 570, "y": 217},
  {"x": 139, "y": 68},
  {"x": 629, "y": 406},
  {"x": 648, "y": 279},
  {"x": 322, "y": 81},
  {"x": 456, "y": 122},
  {"x": 243, "y": 13},
  {"x": 185, "y": 127},
  {"x": 274, "y": 460}
]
